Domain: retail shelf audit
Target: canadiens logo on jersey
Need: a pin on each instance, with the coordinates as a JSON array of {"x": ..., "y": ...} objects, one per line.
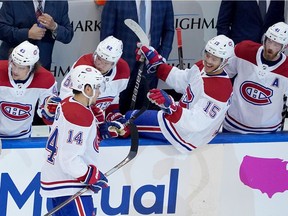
[
  {"x": 15, "y": 111},
  {"x": 104, "y": 102},
  {"x": 187, "y": 98},
  {"x": 255, "y": 93}
]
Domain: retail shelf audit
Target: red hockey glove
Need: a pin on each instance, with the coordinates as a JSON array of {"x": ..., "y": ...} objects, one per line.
[
  {"x": 94, "y": 178},
  {"x": 49, "y": 108},
  {"x": 118, "y": 117},
  {"x": 153, "y": 57},
  {"x": 98, "y": 113},
  {"x": 163, "y": 100}
]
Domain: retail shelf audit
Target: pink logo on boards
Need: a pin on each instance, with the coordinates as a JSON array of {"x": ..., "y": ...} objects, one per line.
[{"x": 269, "y": 175}]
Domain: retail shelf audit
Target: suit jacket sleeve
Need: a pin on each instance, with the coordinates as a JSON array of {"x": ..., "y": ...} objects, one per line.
[
  {"x": 14, "y": 22},
  {"x": 168, "y": 32},
  {"x": 8, "y": 32},
  {"x": 225, "y": 17},
  {"x": 65, "y": 31}
]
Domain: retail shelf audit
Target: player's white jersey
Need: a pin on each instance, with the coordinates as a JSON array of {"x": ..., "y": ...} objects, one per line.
[
  {"x": 71, "y": 147},
  {"x": 18, "y": 101},
  {"x": 257, "y": 92},
  {"x": 116, "y": 81},
  {"x": 202, "y": 107}
]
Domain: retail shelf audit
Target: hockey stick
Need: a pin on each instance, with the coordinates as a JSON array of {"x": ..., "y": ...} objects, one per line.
[
  {"x": 284, "y": 112},
  {"x": 137, "y": 84},
  {"x": 131, "y": 24},
  {"x": 132, "y": 153},
  {"x": 180, "y": 50}
]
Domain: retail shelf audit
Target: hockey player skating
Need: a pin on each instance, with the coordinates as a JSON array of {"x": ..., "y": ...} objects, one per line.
[
  {"x": 106, "y": 59},
  {"x": 206, "y": 89},
  {"x": 260, "y": 84},
  {"x": 23, "y": 83},
  {"x": 71, "y": 162}
]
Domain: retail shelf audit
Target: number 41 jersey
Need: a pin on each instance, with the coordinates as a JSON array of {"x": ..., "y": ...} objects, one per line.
[{"x": 258, "y": 91}]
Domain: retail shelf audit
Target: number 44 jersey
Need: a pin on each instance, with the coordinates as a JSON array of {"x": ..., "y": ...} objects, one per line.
[{"x": 71, "y": 146}]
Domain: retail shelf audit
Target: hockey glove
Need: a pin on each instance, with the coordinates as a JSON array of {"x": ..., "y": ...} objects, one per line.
[
  {"x": 94, "y": 178},
  {"x": 153, "y": 57},
  {"x": 99, "y": 114},
  {"x": 118, "y": 117},
  {"x": 163, "y": 100},
  {"x": 49, "y": 108},
  {"x": 109, "y": 129}
]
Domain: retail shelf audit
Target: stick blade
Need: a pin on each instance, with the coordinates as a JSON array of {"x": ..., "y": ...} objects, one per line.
[
  {"x": 134, "y": 26},
  {"x": 134, "y": 139}
]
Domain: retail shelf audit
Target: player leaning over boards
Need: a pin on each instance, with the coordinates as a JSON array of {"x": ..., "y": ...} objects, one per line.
[
  {"x": 106, "y": 59},
  {"x": 206, "y": 89},
  {"x": 260, "y": 84},
  {"x": 73, "y": 148},
  {"x": 23, "y": 82}
]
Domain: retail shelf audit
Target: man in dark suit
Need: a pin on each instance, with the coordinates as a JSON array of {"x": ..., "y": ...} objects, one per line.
[
  {"x": 242, "y": 20},
  {"x": 159, "y": 28},
  {"x": 18, "y": 22}
]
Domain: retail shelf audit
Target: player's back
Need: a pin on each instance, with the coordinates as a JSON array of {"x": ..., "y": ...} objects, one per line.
[{"x": 71, "y": 141}]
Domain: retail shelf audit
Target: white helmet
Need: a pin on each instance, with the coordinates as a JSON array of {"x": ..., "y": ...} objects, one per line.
[
  {"x": 25, "y": 54},
  {"x": 83, "y": 75},
  {"x": 109, "y": 49},
  {"x": 220, "y": 46},
  {"x": 278, "y": 33}
]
